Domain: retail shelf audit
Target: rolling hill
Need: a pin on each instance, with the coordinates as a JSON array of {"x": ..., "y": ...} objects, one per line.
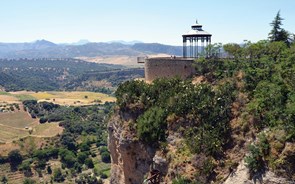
[{"x": 47, "y": 49}]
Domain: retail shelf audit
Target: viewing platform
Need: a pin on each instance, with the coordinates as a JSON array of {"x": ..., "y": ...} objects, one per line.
[{"x": 167, "y": 67}]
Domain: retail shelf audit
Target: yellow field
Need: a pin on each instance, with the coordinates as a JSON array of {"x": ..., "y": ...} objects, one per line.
[
  {"x": 47, "y": 130},
  {"x": 16, "y": 125},
  {"x": 8, "y": 99},
  {"x": 19, "y": 119},
  {"x": 75, "y": 98}
]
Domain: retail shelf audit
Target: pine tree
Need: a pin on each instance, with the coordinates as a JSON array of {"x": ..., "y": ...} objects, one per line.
[{"x": 277, "y": 33}]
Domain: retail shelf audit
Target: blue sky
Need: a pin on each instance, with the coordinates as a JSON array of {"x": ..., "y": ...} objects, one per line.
[{"x": 162, "y": 21}]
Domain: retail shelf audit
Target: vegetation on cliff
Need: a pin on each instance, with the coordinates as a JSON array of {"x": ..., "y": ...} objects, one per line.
[{"x": 249, "y": 95}]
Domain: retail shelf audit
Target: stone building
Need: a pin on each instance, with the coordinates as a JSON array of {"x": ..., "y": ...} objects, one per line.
[{"x": 168, "y": 67}]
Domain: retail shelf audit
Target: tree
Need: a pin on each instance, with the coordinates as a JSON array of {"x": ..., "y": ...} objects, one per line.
[
  {"x": 29, "y": 181},
  {"x": 26, "y": 168},
  {"x": 4, "y": 180},
  {"x": 105, "y": 157},
  {"x": 81, "y": 157},
  {"x": 49, "y": 170},
  {"x": 277, "y": 33},
  {"x": 233, "y": 49},
  {"x": 151, "y": 126},
  {"x": 15, "y": 158},
  {"x": 57, "y": 175},
  {"x": 89, "y": 163}
]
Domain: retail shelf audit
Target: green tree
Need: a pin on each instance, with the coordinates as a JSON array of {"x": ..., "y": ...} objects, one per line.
[
  {"x": 277, "y": 33},
  {"x": 29, "y": 181},
  {"x": 15, "y": 158},
  {"x": 49, "y": 170},
  {"x": 233, "y": 49},
  {"x": 152, "y": 125},
  {"x": 81, "y": 157},
  {"x": 105, "y": 157},
  {"x": 26, "y": 168},
  {"x": 89, "y": 163},
  {"x": 57, "y": 175}
]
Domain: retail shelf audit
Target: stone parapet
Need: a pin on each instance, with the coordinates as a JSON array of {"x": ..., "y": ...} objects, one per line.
[{"x": 164, "y": 67}]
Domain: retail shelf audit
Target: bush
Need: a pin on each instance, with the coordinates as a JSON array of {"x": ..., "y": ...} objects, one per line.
[
  {"x": 4, "y": 179},
  {"x": 89, "y": 163},
  {"x": 49, "y": 170},
  {"x": 81, "y": 156},
  {"x": 43, "y": 120},
  {"x": 105, "y": 157},
  {"x": 57, "y": 175},
  {"x": 151, "y": 126},
  {"x": 181, "y": 180},
  {"x": 15, "y": 158},
  {"x": 29, "y": 181},
  {"x": 26, "y": 168},
  {"x": 254, "y": 161}
]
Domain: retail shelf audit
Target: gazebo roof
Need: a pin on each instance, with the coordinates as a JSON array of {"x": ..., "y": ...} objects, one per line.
[
  {"x": 200, "y": 33},
  {"x": 196, "y": 31}
]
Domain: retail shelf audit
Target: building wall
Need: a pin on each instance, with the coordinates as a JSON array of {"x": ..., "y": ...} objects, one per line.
[{"x": 167, "y": 68}]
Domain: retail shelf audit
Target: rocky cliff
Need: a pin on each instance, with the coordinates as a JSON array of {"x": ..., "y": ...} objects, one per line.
[
  {"x": 175, "y": 131},
  {"x": 131, "y": 159}
]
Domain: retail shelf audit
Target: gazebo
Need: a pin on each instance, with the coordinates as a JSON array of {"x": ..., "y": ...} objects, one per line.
[{"x": 191, "y": 41}]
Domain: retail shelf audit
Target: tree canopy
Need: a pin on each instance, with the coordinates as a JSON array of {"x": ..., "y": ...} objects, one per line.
[{"x": 277, "y": 33}]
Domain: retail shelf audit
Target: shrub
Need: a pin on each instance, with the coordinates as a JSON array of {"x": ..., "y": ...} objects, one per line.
[
  {"x": 89, "y": 163},
  {"x": 81, "y": 156},
  {"x": 105, "y": 157},
  {"x": 43, "y": 120},
  {"x": 57, "y": 175},
  {"x": 254, "y": 161},
  {"x": 29, "y": 181},
  {"x": 49, "y": 170},
  {"x": 15, "y": 158},
  {"x": 151, "y": 126}
]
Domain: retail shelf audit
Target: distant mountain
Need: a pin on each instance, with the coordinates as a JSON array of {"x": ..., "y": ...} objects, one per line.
[
  {"x": 80, "y": 42},
  {"x": 43, "y": 48},
  {"x": 36, "y": 45},
  {"x": 125, "y": 42},
  {"x": 158, "y": 48}
]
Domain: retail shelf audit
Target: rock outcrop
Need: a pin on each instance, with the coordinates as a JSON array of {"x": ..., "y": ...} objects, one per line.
[
  {"x": 131, "y": 159},
  {"x": 241, "y": 175}
]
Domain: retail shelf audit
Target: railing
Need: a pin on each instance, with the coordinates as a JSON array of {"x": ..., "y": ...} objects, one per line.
[{"x": 141, "y": 59}]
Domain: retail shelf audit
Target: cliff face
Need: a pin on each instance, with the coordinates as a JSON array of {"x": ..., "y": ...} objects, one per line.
[
  {"x": 131, "y": 159},
  {"x": 195, "y": 133}
]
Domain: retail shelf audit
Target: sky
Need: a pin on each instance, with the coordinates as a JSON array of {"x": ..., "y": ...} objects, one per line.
[{"x": 151, "y": 21}]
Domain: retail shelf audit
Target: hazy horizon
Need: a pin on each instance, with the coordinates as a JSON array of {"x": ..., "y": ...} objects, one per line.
[{"x": 150, "y": 22}]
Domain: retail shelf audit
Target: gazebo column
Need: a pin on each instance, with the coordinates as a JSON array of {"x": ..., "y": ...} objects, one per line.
[
  {"x": 210, "y": 46},
  {"x": 197, "y": 47},
  {"x": 203, "y": 46},
  {"x": 207, "y": 49},
  {"x": 191, "y": 47},
  {"x": 184, "y": 47}
]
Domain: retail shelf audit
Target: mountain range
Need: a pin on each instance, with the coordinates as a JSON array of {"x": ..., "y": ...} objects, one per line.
[{"x": 47, "y": 49}]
